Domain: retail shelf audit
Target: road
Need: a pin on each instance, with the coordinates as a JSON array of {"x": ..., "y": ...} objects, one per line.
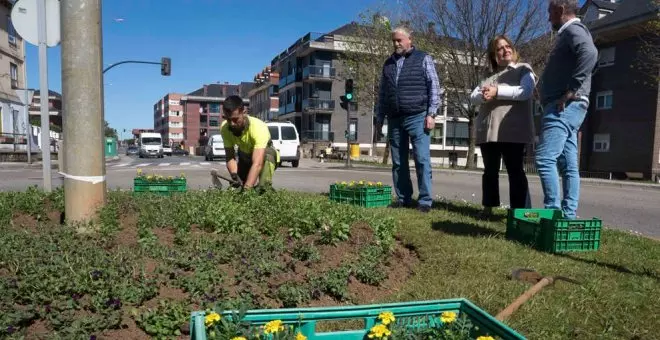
[{"x": 629, "y": 208}]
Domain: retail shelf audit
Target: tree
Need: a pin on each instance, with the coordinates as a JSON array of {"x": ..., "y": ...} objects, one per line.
[
  {"x": 457, "y": 32},
  {"x": 108, "y": 131},
  {"x": 649, "y": 60},
  {"x": 368, "y": 47}
]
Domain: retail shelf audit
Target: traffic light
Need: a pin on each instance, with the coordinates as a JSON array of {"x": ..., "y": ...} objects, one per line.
[
  {"x": 348, "y": 90},
  {"x": 165, "y": 66},
  {"x": 343, "y": 102}
]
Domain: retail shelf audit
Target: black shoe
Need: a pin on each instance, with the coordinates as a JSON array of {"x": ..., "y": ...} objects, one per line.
[{"x": 424, "y": 208}]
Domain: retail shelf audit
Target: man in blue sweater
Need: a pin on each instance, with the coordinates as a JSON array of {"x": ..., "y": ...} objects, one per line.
[
  {"x": 565, "y": 87},
  {"x": 409, "y": 97}
]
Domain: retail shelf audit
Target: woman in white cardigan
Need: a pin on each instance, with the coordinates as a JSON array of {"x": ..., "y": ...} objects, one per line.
[{"x": 505, "y": 124}]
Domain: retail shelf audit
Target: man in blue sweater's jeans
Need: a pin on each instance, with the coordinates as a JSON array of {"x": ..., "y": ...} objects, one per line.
[{"x": 565, "y": 87}]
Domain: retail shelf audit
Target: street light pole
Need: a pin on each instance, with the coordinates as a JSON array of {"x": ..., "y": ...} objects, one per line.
[{"x": 82, "y": 94}]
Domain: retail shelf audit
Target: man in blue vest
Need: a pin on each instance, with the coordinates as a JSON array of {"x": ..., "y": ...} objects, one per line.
[{"x": 409, "y": 97}]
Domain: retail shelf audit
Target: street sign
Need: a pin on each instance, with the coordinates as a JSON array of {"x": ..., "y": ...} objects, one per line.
[{"x": 26, "y": 21}]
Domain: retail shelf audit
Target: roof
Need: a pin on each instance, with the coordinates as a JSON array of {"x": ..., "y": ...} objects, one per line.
[
  {"x": 51, "y": 93},
  {"x": 216, "y": 90},
  {"x": 628, "y": 12}
]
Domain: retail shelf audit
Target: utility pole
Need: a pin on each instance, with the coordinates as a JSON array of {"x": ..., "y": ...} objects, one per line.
[{"x": 82, "y": 94}]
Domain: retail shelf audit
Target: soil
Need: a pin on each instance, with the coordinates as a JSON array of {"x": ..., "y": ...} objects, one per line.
[{"x": 399, "y": 267}]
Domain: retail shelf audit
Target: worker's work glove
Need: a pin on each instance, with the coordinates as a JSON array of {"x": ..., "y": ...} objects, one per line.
[{"x": 237, "y": 183}]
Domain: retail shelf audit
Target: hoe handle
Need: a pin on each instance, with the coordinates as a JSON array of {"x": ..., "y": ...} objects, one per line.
[{"x": 510, "y": 309}]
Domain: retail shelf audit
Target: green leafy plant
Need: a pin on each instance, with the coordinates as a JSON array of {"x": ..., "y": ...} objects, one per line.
[{"x": 163, "y": 321}]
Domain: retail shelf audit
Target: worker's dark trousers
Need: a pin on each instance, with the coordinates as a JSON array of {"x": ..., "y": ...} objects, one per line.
[{"x": 267, "y": 171}]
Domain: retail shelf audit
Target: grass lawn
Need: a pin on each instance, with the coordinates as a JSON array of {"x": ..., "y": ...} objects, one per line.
[{"x": 152, "y": 260}]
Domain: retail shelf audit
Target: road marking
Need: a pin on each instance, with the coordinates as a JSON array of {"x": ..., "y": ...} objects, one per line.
[
  {"x": 142, "y": 165},
  {"x": 121, "y": 165},
  {"x": 204, "y": 163},
  {"x": 164, "y": 164},
  {"x": 185, "y": 163},
  {"x": 196, "y": 166}
]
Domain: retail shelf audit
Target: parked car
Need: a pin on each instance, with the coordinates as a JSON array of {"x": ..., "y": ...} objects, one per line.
[
  {"x": 215, "y": 148},
  {"x": 180, "y": 152},
  {"x": 167, "y": 150},
  {"x": 286, "y": 140},
  {"x": 132, "y": 150}
]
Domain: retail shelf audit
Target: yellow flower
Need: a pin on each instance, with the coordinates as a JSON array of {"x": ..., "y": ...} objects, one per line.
[
  {"x": 139, "y": 171},
  {"x": 238, "y": 338},
  {"x": 211, "y": 318},
  {"x": 361, "y": 182},
  {"x": 149, "y": 178},
  {"x": 386, "y": 317},
  {"x": 170, "y": 177},
  {"x": 182, "y": 175},
  {"x": 448, "y": 317},
  {"x": 485, "y": 338},
  {"x": 300, "y": 336},
  {"x": 380, "y": 184},
  {"x": 343, "y": 183},
  {"x": 370, "y": 183},
  {"x": 273, "y": 327},
  {"x": 379, "y": 331}
]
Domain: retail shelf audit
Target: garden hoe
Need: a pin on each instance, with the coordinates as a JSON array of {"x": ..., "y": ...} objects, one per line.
[
  {"x": 533, "y": 277},
  {"x": 215, "y": 178}
]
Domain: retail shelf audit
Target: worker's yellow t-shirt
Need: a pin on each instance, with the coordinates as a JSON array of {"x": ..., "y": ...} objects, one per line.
[{"x": 256, "y": 136}]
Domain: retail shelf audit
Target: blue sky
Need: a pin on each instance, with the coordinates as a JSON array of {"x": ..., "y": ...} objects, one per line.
[{"x": 208, "y": 40}]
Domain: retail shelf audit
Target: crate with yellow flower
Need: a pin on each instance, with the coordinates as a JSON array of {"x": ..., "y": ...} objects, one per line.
[
  {"x": 362, "y": 193},
  {"x": 163, "y": 185},
  {"x": 456, "y": 319}
]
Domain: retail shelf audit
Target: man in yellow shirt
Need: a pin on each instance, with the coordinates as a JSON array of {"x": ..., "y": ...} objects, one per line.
[{"x": 257, "y": 158}]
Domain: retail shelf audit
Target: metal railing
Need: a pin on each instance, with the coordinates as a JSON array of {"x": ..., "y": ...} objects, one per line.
[
  {"x": 318, "y": 104},
  {"x": 315, "y": 71},
  {"x": 317, "y": 136}
]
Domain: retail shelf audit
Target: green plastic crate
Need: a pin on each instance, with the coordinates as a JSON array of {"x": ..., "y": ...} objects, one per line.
[
  {"x": 369, "y": 197},
  {"x": 411, "y": 314},
  {"x": 167, "y": 187},
  {"x": 547, "y": 230}
]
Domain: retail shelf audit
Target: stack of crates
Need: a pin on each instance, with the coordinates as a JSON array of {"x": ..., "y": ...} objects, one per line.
[{"x": 546, "y": 230}]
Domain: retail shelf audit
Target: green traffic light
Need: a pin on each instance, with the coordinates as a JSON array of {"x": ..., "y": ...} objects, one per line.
[{"x": 349, "y": 96}]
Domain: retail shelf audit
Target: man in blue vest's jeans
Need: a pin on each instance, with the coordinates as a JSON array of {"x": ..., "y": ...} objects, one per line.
[
  {"x": 565, "y": 87},
  {"x": 409, "y": 97}
]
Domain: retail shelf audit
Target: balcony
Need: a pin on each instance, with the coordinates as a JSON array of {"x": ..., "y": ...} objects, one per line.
[
  {"x": 318, "y": 72},
  {"x": 314, "y": 104},
  {"x": 290, "y": 107},
  {"x": 317, "y": 136},
  {"x": 282, "y": 82}
]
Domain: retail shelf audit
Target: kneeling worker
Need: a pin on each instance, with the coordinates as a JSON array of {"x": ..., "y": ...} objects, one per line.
[{"x": 257, "y": 158}]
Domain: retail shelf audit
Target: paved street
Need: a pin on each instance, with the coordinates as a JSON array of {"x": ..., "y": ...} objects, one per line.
[{"x": 624, "y": 207}]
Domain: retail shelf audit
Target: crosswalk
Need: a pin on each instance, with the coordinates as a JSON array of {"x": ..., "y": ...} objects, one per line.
[{"x": 135, "y": 165}]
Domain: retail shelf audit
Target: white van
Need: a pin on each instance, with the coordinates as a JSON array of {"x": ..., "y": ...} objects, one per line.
[
  {"x": 215, "y": 148},
  {"x": 285, "y": 139},
  {"x": 151, "y": 145}
]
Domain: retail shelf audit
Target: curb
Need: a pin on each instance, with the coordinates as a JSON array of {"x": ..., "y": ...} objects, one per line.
[{"x": 599, "y": 182}]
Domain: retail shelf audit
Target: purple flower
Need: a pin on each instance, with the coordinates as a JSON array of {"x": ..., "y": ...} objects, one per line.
[
  {"x": 92, "y": 337},
  {"x": 10, "y": 329},
  {"x": 209, "y": 255},
  {"x": 76, "y": 296},
  {"x": 113, "y": 303},
  {"x": 47, "y": 308},
  {"x": 244, "y": 260},
  {"x": 96, "y": 274}
]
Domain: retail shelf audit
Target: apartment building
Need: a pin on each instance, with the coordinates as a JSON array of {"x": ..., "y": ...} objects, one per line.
[
  {"x": 12, "y": 74},
  {"x": 264, "y": 97},
  {"x": 621, "y": 134},
  {"x": 54, "y": 103},
  {"x": 187, "y": 119},
  {"x": 310, "y": 84}
]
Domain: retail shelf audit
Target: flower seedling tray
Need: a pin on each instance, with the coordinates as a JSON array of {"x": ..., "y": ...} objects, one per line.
[
  {"x": 546, "y": 230},
  {"x": 361, "y": 194},
  {"x": 159, "y": 186},
  {"x": 411, "y": 315}
]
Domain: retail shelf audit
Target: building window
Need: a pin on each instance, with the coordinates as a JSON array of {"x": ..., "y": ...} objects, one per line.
[
  {"x": 13, "y": 69},
  {"x": 604, "y": 100},
  {"x": 214, "y": 121},
  {"x": 606, "y": 57},
  {"x": 214, "y": 107},
  {"x": 458, "y": 133},
  {"x": 203, "y": 119},
  {"x": 11, "y": 31},
  {"x": 602, "y": 142}
]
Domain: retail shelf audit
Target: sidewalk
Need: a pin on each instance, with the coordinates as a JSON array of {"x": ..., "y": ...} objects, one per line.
[
  {"x": 361, "y": 166},
  {"x": 38, "y": 164}
]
